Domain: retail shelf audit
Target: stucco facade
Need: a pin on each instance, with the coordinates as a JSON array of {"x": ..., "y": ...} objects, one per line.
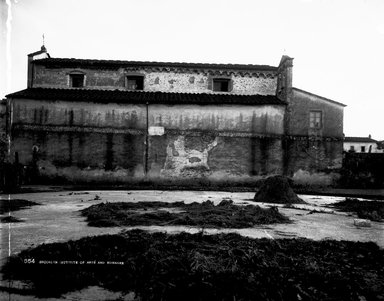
[{"x": 203, "y": 122}]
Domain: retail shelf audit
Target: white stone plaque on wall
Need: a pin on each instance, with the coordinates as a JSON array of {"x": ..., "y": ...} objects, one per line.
[{"x": 156, "y": 131}]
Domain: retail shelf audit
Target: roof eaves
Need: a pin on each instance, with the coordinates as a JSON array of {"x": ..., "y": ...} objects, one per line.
[{"x": 143, "y": 97}]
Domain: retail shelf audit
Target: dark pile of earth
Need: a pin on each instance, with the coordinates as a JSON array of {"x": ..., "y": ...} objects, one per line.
[{"x": 276, "y": 189}]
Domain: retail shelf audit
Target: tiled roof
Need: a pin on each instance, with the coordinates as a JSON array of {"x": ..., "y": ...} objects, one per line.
[
  {"x": 139, "y": 97},
  {"x": 71, "y": 62},
  {"x": 359, "y": 139}
]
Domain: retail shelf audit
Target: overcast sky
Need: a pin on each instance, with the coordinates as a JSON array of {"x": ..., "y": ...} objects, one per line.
[{"x": 337, "y": 45}]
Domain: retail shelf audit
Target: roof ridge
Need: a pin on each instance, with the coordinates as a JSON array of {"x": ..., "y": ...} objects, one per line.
[{"x": 192, "y": 64}]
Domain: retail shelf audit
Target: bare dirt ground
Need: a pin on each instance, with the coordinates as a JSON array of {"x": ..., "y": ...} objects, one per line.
[{"x": 57, "y": 218}]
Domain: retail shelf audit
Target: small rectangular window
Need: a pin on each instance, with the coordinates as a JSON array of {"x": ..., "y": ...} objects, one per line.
[
  {"x": 135, "y": 82},
  {"x": 363, "y": 149},
  {"x": 352, "y": 148},
  {"x": 76, "y": 80},
  {"x": 221, "y": 84},
  {"x": 315, "y": 119}
]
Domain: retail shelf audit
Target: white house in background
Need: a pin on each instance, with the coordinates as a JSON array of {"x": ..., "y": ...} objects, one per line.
[{"x": 361, "y": 145}]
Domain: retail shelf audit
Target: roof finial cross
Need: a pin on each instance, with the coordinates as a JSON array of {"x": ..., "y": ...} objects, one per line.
[{"x": 43, "y": 46}]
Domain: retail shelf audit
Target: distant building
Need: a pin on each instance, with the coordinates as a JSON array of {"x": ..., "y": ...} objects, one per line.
[
  {"x": 361, "y": 145},
  {"x": 380, "y": 145},
  {"x": 84, "y": 119}
]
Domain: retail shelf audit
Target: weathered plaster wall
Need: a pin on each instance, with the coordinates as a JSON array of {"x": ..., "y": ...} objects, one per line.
[
  {"x": 91, "y": 152},
  {"x": 299, "y": 108},
  {"x": 81, "y": 114},
  {"x": 216, "y": 142},
  {"x": 85, "y": 135},
  {"x": 214, "y": 157},
  {"x": 246, "y": 156},
  {"x": 265, "y": 119},
  {"x": 206, "y": 142},
  {"x": 170, "y": 81}
]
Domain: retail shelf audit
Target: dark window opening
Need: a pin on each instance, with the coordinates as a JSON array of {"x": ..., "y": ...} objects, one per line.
[
  {"x": 315, "y": 118},
  {"x": 77, "y": 80},
  {"x": 352, "y": 148},
  {"x": 135, "y": 82},
  {"x": 363, "y": 149},
  {"x": 221, "y": 85}
]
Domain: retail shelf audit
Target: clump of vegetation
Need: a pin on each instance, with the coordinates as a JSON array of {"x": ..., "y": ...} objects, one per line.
[
  {"x": 206, "y": 214},
  {"x": 11, "y": 219},
  {"x": 14, "y": 205},
  {"x": 372, "y": 210},
  {"x": 185, "y": 266}
]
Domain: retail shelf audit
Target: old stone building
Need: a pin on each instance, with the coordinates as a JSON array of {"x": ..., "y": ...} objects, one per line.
[{"x": 86, "y": 120}]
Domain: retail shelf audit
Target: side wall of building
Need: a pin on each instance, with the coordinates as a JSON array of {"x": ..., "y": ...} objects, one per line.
[
  {"x": 81, "y": 142},
  {"x": 175, "y": 80},
  {"x": 300, "y": 107}
]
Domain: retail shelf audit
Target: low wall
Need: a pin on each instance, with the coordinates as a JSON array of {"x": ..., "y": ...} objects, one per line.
[
  {"x": 362, "y": 170},
  {"x": 312, "y": 156}
]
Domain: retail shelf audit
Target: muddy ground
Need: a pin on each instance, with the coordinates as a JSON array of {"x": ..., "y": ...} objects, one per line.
[{"x": 58, "y": 219}]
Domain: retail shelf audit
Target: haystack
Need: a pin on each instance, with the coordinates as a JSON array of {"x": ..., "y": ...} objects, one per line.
[{"x": 276, "y": 189}]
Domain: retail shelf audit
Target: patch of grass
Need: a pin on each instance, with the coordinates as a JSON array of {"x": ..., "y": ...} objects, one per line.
[
  {"x": 206, "y": 214},
  {"x": 185, "y": 266},
  {"x": 11, "y": 219},
  {"x": 14, "y": 205},
  {"x": 372, "y": 210}
]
